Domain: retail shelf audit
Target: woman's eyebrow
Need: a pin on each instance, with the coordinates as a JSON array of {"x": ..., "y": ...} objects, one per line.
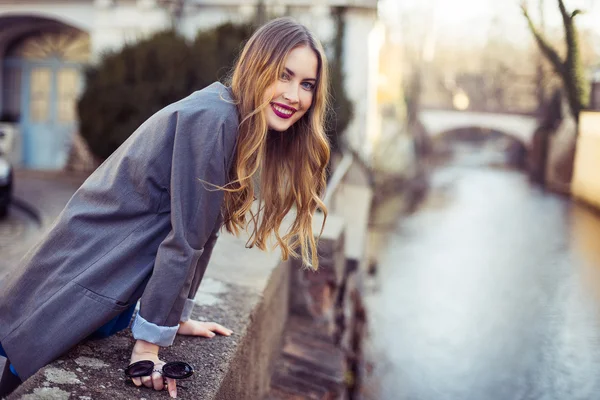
[{"x": 292, "y": 74}]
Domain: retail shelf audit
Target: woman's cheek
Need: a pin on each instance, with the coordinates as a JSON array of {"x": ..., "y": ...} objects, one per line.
[{"x": 309, "y": 101}]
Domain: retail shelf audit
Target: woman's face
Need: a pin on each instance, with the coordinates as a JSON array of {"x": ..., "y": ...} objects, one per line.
[{"x": 292, "y": 94}]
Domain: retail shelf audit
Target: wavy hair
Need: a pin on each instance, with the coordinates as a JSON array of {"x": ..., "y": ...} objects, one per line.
[{"x": 291, "y": 164}]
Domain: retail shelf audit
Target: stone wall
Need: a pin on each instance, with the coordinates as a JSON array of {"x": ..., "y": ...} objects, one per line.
[
  {"x": 561, "y": 154},
  {"x": 321, "y": 356},
  {"x": 246, "y": 290},
  {"x": 586, "y": 182}
]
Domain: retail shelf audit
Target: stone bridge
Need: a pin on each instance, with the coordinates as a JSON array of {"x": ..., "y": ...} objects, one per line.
[{"x": 518, "y": 126}]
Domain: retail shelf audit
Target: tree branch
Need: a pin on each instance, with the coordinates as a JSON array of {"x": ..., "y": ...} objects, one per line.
[
  {"x": 543, "y": 44},
  {"x": 563, "y": 12}
]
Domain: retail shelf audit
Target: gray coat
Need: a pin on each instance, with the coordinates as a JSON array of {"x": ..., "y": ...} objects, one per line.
[{"x": 142, "y": 225}]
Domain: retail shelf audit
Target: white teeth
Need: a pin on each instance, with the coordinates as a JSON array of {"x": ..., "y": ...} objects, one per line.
[{"x": 283, "y": 110}]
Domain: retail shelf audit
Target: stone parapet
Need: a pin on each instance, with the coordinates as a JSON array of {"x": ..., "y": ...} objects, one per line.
[
  {"x": 322, "y": 353},
  {"x": 236, "y": 367},
  {"x": 311, "y": 365},
  {"x": 586, "y": 185},
  {"x": 314, "y": 294}
]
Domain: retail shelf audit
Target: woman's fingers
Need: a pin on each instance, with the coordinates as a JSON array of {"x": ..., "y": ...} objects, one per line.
[
  {"x": 205, "y": 329},
  {"x": 172, "y": 387},
  {"x": 147, "y": 381},
  {"x": 213, "y": 326},
  {"x": 155, "y": 381},
  {"x": 204, "y": 332},
  {"x": 158, "y": 381},
  {"x": 208, "y": 329}
]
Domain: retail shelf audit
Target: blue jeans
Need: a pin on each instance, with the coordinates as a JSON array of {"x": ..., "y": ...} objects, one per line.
[
  {"x": 3, "y": 354},
  {"x": 113, "y": 326}
]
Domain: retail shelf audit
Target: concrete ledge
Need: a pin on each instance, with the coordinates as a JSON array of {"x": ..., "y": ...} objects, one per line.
[
  {"x": 353, "y": 204},
  {"x": 244, "y": 289},
  {"x": 311, "y": 365}
]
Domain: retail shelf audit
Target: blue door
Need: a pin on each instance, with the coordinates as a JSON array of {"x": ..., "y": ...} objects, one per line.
[
  {"x": 49, "y": 67},
  {"x": 48, "y": 112}
]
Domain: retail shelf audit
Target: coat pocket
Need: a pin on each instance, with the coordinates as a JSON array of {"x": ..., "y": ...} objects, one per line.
[{"x": 106, "y": 301}]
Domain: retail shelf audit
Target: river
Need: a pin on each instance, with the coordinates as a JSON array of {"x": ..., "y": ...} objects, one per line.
[{"x": 490, "y": 290}]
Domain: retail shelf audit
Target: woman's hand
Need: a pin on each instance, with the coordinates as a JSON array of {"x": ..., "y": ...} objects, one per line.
[
  {"x": 143, "y": 350},
  {"x": 199, "y": 328}
]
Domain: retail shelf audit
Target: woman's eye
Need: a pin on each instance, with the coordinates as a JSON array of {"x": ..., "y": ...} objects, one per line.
[
  {"x": 285, "y": 76},
  {"x": 308, "y": 85}
]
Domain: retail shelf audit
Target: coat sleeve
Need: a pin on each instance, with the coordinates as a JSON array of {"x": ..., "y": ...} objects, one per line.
[
  {"x": 199, "y": 273},
  {"x": 198, "y": 153}
]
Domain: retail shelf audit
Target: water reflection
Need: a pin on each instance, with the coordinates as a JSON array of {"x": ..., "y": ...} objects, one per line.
[{"x": 490, "y": 291}]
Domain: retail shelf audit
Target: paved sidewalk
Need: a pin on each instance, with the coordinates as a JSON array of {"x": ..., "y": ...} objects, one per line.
[
  {"x": 43, "y": 194},
  {"x": 47, "y": 191}
]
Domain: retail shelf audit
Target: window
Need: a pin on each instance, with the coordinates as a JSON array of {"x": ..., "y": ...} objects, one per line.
[
  {"x": 40, "y": 88},
  {"x": 68, "y": 90}
]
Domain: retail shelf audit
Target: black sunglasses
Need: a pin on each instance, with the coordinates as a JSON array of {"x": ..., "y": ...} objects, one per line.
[{"x": 173, "y": 369}]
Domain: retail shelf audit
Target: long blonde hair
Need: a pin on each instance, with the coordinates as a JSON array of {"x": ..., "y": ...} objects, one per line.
[{"x": 291, "y": 164}]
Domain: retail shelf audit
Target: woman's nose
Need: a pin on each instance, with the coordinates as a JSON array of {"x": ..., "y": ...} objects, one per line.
[{"x": 291, "y": 94}]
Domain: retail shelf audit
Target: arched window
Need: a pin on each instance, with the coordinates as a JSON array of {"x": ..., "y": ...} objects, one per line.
[
  {"x": 67, "y": 46},
  {"x": 60, "y": 47}
]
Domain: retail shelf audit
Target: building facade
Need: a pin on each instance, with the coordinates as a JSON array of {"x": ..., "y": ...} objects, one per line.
[{"x": 45, "y": 46}]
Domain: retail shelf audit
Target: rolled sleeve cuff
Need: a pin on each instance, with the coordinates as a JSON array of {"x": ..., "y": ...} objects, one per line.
[
  {"x": 160, "y": 335},
  {"x": 187, "y": 310}
]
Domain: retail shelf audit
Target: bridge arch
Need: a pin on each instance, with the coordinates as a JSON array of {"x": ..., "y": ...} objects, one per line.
[
  {"x": 488, "y": 145},
  {"x": 477, "y": 133},
  {"x": 518, "y": 126}
]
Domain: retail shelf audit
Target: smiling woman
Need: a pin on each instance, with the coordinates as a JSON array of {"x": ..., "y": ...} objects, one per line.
[
  {"x": 292, "y": 94},
  {"x": 143, "y": 226},
  {"x": 281, "y": 85}
]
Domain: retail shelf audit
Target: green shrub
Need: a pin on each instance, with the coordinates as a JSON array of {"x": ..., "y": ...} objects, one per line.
[
  {"x": 131, "y": 84},
  {"x": 215, "y": 51}
]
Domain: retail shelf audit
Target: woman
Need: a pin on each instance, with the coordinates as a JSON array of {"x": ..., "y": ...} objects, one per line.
[{"x": 143, "y": 225}]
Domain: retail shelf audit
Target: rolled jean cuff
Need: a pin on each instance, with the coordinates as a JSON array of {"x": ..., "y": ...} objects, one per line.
[
  {"x": 160, "y": 335},
  {"x": 188, "y": 307}
]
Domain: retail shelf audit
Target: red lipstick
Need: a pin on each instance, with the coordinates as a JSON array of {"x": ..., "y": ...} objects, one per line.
[{"x": 283, "y": 111}]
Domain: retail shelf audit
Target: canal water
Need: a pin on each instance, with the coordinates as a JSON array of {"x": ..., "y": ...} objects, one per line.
[{"x": 489, "y": 291}]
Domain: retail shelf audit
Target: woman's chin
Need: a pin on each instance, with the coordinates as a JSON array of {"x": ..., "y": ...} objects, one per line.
[{"x": 279, "y": 127}]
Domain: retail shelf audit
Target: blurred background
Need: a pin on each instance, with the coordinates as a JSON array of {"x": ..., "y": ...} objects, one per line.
[{"x": 474, "y": 126}]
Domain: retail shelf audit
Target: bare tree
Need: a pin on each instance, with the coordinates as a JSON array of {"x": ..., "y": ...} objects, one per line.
[{"x": 570, "y": 69}]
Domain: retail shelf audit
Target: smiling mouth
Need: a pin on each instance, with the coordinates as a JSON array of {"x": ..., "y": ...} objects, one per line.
[{"x": 282, "y": 111}]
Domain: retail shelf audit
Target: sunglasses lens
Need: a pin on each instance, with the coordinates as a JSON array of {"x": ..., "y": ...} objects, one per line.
[
  {"x": 140, "y": 368},
  {"x": 177, "y": 370}
]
